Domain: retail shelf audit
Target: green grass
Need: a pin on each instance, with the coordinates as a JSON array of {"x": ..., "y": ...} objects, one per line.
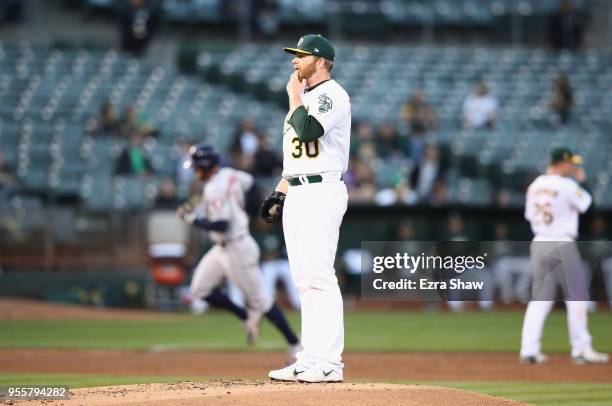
[
  {"x": 365, "y": 331},
  {"x": 544, "y": 394}
]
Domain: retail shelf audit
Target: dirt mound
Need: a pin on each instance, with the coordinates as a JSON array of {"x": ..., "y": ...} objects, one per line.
[
  {"x": 26, "y": 309},
  {"x": 268, "y": 393}
]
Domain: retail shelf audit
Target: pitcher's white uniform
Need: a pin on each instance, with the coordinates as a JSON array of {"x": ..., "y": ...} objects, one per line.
[
  {"x": 235, "y": 254},
  {"x": 312, "y": 216},
  {"x": 329, "y": 103},
  {"x": 552, "y": 207}
]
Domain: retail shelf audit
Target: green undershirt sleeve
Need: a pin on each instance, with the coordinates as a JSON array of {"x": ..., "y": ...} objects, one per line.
[{"x": 306, "y": 126}]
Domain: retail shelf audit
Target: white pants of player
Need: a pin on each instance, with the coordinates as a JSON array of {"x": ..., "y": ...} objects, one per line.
[
  {"x": 238, "y": 260},
  {"x": 235, "y": 294},
  {"x": 279, "y": 270},
  {"x": 507, "y": 269},
  {"x": 533, "y": 325},
  {"x": 485, "y": 295},
  {"x": 272, "y": 271},
  {"x": 577, "y": 310},
  {"x": 606, "y": 268},
  {"x": 311, "y": 223}
]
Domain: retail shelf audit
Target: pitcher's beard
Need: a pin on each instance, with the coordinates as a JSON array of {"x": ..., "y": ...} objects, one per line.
[{"x": 306, "y": 72}]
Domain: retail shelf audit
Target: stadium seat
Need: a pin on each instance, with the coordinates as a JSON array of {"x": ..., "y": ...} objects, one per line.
[{"x": 48, "y": 94}]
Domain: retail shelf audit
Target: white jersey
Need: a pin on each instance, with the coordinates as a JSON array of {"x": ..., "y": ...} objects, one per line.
[
  {"x": 552, "y": 207},
  {"x": 329, "y": 103},
  {"x": 223, "y": 199}
]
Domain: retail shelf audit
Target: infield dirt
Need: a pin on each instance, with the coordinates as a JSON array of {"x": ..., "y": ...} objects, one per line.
[{"x": 385, "y": 366}]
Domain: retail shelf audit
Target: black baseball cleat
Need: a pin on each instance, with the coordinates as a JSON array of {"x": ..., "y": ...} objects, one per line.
[{"x": 534, "y": 359}]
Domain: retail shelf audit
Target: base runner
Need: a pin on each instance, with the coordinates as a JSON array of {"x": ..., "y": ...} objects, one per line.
[{"x": 235, "y": 254}]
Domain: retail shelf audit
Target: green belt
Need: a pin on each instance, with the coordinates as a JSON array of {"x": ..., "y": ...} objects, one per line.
[
  {"x": 295, "y": 181},
  {"x": 311, "y": 179}
]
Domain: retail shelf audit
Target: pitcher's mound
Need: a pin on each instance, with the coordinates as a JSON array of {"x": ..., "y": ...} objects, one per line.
[{"x": 269, "y": 393}]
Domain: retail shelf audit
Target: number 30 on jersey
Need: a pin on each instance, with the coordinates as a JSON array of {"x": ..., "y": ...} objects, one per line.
[{"x": 311, "y": 149}]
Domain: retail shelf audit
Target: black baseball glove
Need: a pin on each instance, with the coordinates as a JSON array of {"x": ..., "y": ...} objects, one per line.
[{"x": 271, "y": 209}]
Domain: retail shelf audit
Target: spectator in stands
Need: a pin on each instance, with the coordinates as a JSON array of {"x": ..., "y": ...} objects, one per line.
[
  {"x": 439, "y": 194},
  {"x": 360, "y": 182},
  {"x": 503, "y": 197},
  {"x": 363, "y": 137},
  {"x": 404, "y": 231},
  {"x": 389, "y": 144},
  {"x": 245, "y": 143},
  {"x": 462, "y": 247},
  {"x": 480, "y": 108},
  {"x": 598, "y": 230},
  {"x": 455, "y": 228},
  {"x": 418, "y": 114},
  {"x": 266, "y": 162},
  {"x": 266, "y": 16},
  {"x": 501, "y": 233},
  {"x": 133, "y": 160},
  {"x": 6, "y": 177},
  {"x": 562, "y": 99},
  {"x": 167, "y": 197},
  {"x": 106, "y": 124},
  {"x": 132, "y": 121},
  {"x": 511, "y": 266},
  {"x": 420, "y": 118},
  {"x": 424, "y": 175},
  {"x": 129, "y": 122},
  {"x": 395, "y": 189},
  {"x": 139, "y": 22},
  {"x": 11, "y": 224},
  {"x": 565, "y": 28}
]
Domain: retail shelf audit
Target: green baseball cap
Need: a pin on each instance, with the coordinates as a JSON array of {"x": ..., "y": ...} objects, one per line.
[
  {"x": 313, "y": 44},
  {"x": 564, "y": 154}
]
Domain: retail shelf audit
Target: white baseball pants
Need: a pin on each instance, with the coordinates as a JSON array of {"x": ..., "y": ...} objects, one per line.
[
  {"x": 271, "y": 271},
  {"x": 279, "y": 269},
  {"x": 513, "y": 277},
  {"x": 556, "y": 264},
  {"x": 239, "y": 261},
  {"x": 311, "y": 223}
]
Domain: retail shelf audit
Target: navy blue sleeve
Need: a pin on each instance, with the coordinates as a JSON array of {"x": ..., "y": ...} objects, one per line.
[
  {"x": 221, "y": 225},
  {"x": 252, "y": 200}
]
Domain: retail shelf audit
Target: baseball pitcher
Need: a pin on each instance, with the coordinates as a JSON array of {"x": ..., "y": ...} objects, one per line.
[
  {"x": 554, "y": 202},
  {"x": 311, "y": 199}
]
